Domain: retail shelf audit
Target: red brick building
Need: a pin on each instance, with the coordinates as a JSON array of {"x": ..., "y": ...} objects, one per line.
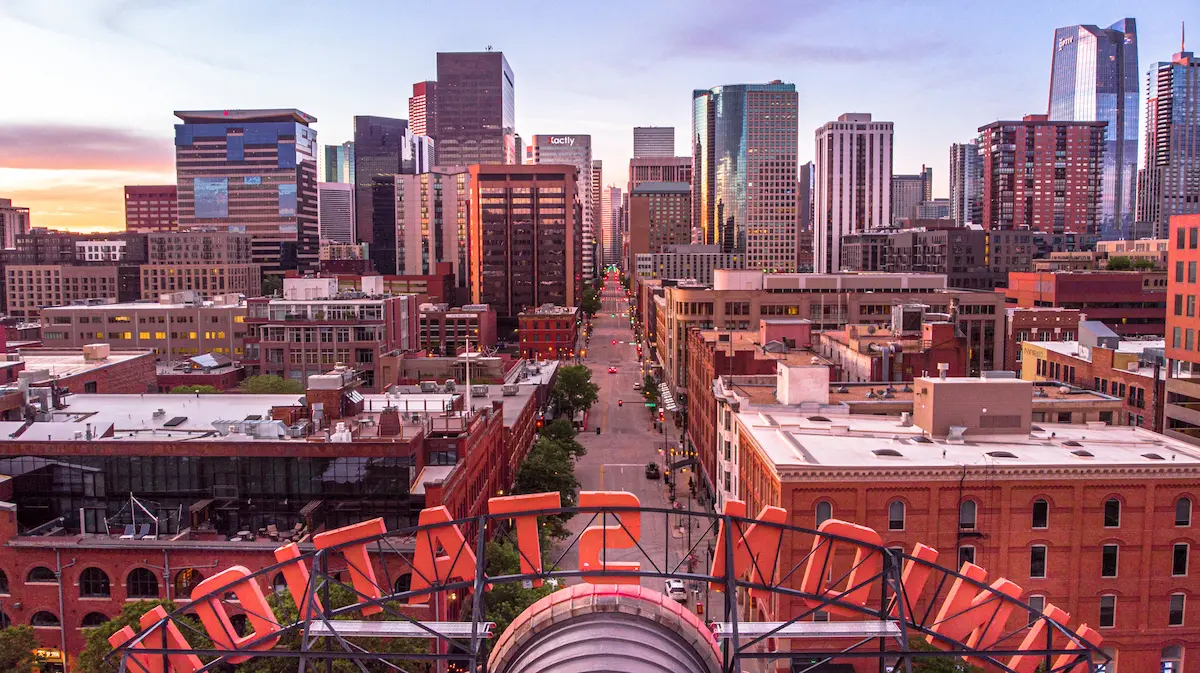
[
  {"x": 548, "y": 332},
  {"x": 1131, "y": 303},
  {"x": 1036, "y": 324},
  {"x": 446, "y": 331},
  {"x": 870, "y": 353},
  {"x": 94, "y": 369},
  {"x": 151, "y": 208},
  {"x": 435, "y": 288},
  {"x": 1042, "y": 175},
  {"x": 1182, "y": 409}
]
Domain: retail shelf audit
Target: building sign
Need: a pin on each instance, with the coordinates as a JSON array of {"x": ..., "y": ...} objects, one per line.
[{"x": 569, "y": 141}]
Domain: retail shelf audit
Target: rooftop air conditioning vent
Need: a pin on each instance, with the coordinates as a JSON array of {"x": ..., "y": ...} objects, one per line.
[
  {"x": 843, "y": 389},
  {"x": 1152, "y": 456},
  {"x": 887, "y": 452},
  {"x": 1001, "y": 454},
  {"x": 1083, "y": 453},
  {"x": 1036, "y": 428},
  {"x": 819, "y": 419},
  {"x": 1071, "y": 442},
  {"x": 922, "y": 440}
]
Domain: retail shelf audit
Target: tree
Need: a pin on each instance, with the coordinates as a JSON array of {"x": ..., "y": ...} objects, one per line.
[
  {"x": 1119, "y": 264},
  {"x": 1144, "y": 264},
  {"x": 270, "y": 384},
  {"x": 91, "y": 659},
  {"x": 16, "y": 648},
  {"x": 562, "y": 432},
  {"x": 650, "y": 388},
  {"x": 272, "y": 285},
  {"x": 191, "y": 390},
  {"x": 946, "y": 664},
  {"x": 504, "y": 602},
  {"x": 591, "y": 301},
  {"x": 574, "y": 390},
  {"x": 549, "y": 467}
]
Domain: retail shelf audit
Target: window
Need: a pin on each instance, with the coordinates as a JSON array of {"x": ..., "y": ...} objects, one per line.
[
  {"x": 1037, "y": 561},
  {"x": 1175, "y": 612},
  {"x": 1179, "y": 559},
  {"x": 1172, "y": 659},
  {"x": 1108, "y": 560},
  {"x": 896, "y": 515},
  {"x": 186, "y": 580},
  {"x": 824, "y": 512},
  {"x": 141, "y": 583},
  {"x": 41, "y": 574},
  {"x": 966, "y": 554},
  {"x": 1108, "y": 611},
  {"x": 404, "y": 583},
  {"x": 93, "y": 583},
  {"x": 3, "y": 583},
  {"x": 966, "y": 515},
  {"x": 92, "y": 620},
  {"x": 1183, "y": 512},
  {"x": 1041, "y": 513},
  {"x": 279, "y": 583},
  {"x": 1112, "y": 513},
  {"x": 1037, "y": 605},
  {"x": 47, "y": 619}
]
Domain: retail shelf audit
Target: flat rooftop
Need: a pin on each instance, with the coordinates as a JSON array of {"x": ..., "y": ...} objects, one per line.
[
  {"x": 856, "y": 394},
  {"x": 142, "y": 305},
  {"x": 63, "y": 364},
  {"x": 278, "y": 114},
  {"x": 1127, "y": 346}
]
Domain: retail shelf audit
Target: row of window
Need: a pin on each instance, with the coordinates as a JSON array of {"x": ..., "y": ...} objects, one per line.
[
  {"x": 94, "y": 582},
  {"x": 968, "y": 511}
]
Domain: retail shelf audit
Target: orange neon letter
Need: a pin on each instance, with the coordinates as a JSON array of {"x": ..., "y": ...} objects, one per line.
[
  {"x": 529, "y": 543},
  {"x": 957, "y": 601},
  {"x": 756, "y": 549},
  {"x": 867, "y": 562},
  {"x": 597, "y": 539},
  {"x": 362, "y": 573},
  {"x": 164, "y": 636},
  {"x": 457, "y": 563},
  {"x": 1087, "y": 635},
  {"x": 216, "y": 619},
  {"x": 296, "y": 575},
  {"x": 1035, "y": 639},
  {"x": 914, "y": 577}
]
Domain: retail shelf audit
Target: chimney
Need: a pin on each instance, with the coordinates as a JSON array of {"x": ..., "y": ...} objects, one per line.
[
  {"x": 389, "y": 422},
  {"x": 943, "y": 367}
]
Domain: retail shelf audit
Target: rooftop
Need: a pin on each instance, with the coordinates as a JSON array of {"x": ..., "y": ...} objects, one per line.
[
  {"x": 65, "y": 363},
  {"x": 550, "y": 309},
  {"x": 662, "y": 188},
  {"x": 280, "y": 114},
  {"x": 144, "y": 305},
  {"x": 747, "y": 340},
  {"x": 1126, "y": 347}
]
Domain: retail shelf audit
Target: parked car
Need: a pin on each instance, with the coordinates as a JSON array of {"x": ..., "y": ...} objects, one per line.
[
  {"x": 652, "y": 471},
  {"x": 637, "y": 386},
  {"x": 676, "y": 590}
]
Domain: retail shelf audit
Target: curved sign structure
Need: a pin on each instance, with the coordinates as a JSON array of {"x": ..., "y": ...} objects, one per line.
[{"x": 877, "y": 603}]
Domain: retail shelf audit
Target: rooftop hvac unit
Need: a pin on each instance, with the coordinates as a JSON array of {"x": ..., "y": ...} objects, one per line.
[
  {"x": 510, "y": 390},
  {"x": 479, "y": 390},
  {"x": 907, "y": 318},
  {"x": 429, "y": 386}
]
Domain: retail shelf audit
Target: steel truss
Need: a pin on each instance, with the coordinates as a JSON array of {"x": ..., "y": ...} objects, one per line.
[{"x": 890, "y": 642}]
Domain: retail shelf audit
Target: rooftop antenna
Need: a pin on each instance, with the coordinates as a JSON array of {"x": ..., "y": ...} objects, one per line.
[{"x": 489, "y": 48}]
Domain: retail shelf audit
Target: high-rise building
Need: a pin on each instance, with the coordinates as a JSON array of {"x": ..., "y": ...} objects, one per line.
[
  {"x": 575, "y": 150},
  {"x": 1094, "y": 78},
  {"x": 335, "y": 217},
  {"x": 804, "y": 218},
  {"x": 420, "y": 221},
  {"x": 421, "y": 106},
  {"x": 337, "y": 163},
  {"x": 525, "y": 237},
  {"x": 14, "y": 220},
  {"x": 474, "y": 110},
  {"x": 1170, "y": 182},
  {"x": 253, "y": 172},
  {"x": 611, "y": 225},
  {"x": 653, "y": 141},
  {"x": 151, "y": 208},
  {"x": 966, "y": 183},
  {"x": 908, "y": 191},
  {"x": 659, "y": 169},
  {"x": 597, "y": 190},
  {"x": 382, "y": 146},
  {"x": 852, "y": 183},
  {"x": 660, "y": 215},
  {"x": 208, "y": 263},
  {"x": 1042, "y": 175},
  {"x": 1182, "y": 328},
  {"x": 744, "y": 183}
]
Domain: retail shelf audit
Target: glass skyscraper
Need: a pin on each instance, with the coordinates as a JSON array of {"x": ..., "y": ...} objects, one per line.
[
  {"x": 474, "y": 111},
  {"x": 1170, "y": 182},
  {"x": 1094, "y": 77},
  {"x": 744, "y": 147}
]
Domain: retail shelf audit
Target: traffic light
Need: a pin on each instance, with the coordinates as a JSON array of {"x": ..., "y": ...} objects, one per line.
[
  {"x": 662, "y": 415},
  {"x": 540, "y": 421}
]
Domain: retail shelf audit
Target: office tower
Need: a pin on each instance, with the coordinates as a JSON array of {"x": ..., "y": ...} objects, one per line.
[
  {"x": 253, "y": 172},
  {"x": 804, "y": 218},
  {"x": 852, "y": 183},
  {"x": 525, "y": 239},
  {"x": 908, "y": 191},
  {"x": 150, "y": 208},
  {"x": 379, "y": 144},
  {"x": 338, "y": 163},
  {"x": 966, "y": 183},
  {"x": 419, "y": 221},
  {"x": 597, "y": 206},
  {"x": 932, "y": 209},
  {"x": 1043, "y": 175},
  {"x": 421, "y": 105},
  {"x": 519, "y": 143},
  {"x": 659, "y": 169},
  {"x": 574, "y": 150},
  {"x": 660, "y": 215},
  {"x": 653, "y": 141},
  {"x": 744, "y": 182},
  {"x": 474, "y": 109},
  {"x": 335, "y": 219},
  {"x": 611, "y": 225},
  {"x": 1170, "y": 183},
  {"x": 14, "y": 221},
  {"x": 1094, "y": 78}
]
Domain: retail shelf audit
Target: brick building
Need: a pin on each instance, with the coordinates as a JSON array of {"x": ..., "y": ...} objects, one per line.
[
  {"x": 446, "y": 331},
  {"x": 209, "y": 263},
  {"x": 897, "y": 353},
  {"x": 95, "y": 368},
  {"x": 436, "y": 288},
  {"x": 548, "y": 332},
  {"x": 970, "y": 257},
  {"x": 1182, "y": 408},
  {"x": 209, "y": 369},
  {"x": 1036, "y": 324},
  {"x": 151, "y": 208},
  {"x": 31, "y": 288},
  {"x": 1131, "y": 303}
]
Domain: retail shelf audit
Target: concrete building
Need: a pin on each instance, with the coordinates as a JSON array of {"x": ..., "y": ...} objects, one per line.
[
  {"x": 47, "y": 246},
  {"x": 804, "y": 218},
  {"x": 549, "y": 332},
  {"x": 422, "y": 106},
  {"x": 970, "y": 257},
  {"x": 448, "y": 331},
  {"x": 576, "y": 150},
  {"x": 611, "y": 217},
  {"x": 852, "y": 183},
  {"x": 474, "y": 109},
  {"x": 750, "y": 210},
  {"x": 31, "y": 288},
  {"x": 1036, "y": 324},
  {"x": 597, "y": 203},
  {"x": 660, "y": 214},
  {"x": 175, "y": 327},
  {"x": 335, "y": 218},
  {"x": 100, "y": 250},
  {"x": 932, "y": 209},
  {"x": 526, "y": 237},
  {"x": 1049, "y": 194},
  {"x": 252, "y": 172},
  {"x": 1181, "y": 412},
  {"x": 1144, "y": 251},
  {"x": 679, "y": 262},
  {"x": 909, "y": 191},
  {"x": 151, "y": 208},
  {"x": 209, "y": 263},
  {"x": 659, "y": 169},
  {"x": 1131, "y": 303},
  {"x": 966, "y": 183},
  {"x": 1169, "y": 185},
  {"x": 653, "y": 141},
  {"x": 14, "y": 220}
]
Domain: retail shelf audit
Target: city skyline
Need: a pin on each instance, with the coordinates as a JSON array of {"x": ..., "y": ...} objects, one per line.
[{"x": 86, "y": 126}]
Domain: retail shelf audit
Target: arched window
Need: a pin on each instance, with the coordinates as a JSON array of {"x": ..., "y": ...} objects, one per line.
[
  {"x": 44, "y": 618},
  {"x": 1112, "y": 513},
  {"x": 3, "y": 583},
  {"x": 279, "y": 583},
  {"x": 966, "y": 515},
  {"x": 1172, "y": 659},
  {"x": 403, "y": 583},
  {"x": 186, "y": 580},
  {"x": 824, "y": 512},
  {"x": 93, "y": 619},
  {"x": 1041, "y": 513},
  {"x": 141, "y": 583},
  {"x": 1183, "y": 512},
  {"x": 93, "y": 583},
  {"x": 41, "y": 574},
  {"x": 896, "y": 515}
]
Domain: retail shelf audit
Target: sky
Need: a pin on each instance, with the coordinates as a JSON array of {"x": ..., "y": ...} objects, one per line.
[{"x": 90, "y": 85}]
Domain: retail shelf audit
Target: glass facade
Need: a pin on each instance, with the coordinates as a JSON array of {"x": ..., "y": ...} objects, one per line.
[
  {"x": 1094, "y": 77},
  {"x": 475, "y": 109},
  {"x": 378, "y": 150},
  {"x": 1170, "y": 184}
]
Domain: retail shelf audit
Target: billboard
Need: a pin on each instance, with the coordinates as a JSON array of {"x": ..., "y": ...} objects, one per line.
[{"x": 212, "y": 197}]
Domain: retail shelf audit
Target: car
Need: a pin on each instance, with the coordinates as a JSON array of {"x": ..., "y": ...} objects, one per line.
[
  {"x": 612, "y": 370},
  {"x": 637, "y": 386},
  {"x": 652, "y": 470},
  {"x": 676, "y": 590}
]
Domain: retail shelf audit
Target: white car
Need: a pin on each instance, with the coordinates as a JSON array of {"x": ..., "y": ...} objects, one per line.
[
  {"x": 677, "y": 591},
  {"x": 637, "y": 386}
]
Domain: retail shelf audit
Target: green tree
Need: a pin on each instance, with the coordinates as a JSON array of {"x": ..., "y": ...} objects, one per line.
[
  {"x": 562, "y": 432},
  {"x": 591, "y": 301},
  {"x": 91, "y": 659},
  {"x": 650, "y": 389},
  {"x": 1119, "y": 264},
  {"x": 16, "y": 648},
  {"x": 549, "y": 467},
  {"x": 1144, "y": 264},
  {"x": 191, "y": 390},
  {"x": 272, "y": 285},
  {"x": 946, "y": 664},
  {"x": 270, "y": 384},
  {"x": 504, "y": 602},
  {"x": 574, "y": 390}
]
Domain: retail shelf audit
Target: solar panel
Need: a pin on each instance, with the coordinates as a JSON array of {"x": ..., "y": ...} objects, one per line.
[{"x": 178, "y": 420}]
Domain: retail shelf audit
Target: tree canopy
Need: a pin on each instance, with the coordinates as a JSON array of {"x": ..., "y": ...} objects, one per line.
[
  {"x": 504, "y": 602},
  {"x": 574, "y": 390},
  {"x": 562, "y": 432},
  {"x": 1119, "y": 264},
  {"x": 191, "y": 390},
  {"x": 91, "y": 659},
  {"x": 591, "y": 301},
  {"x": 16, "y": 648},
  {"x": 549, "y": 467},
  {"x": 270, "y": 384}
]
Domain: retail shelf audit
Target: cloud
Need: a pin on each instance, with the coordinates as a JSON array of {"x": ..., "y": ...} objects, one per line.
[{"x": 61, "y": 147}]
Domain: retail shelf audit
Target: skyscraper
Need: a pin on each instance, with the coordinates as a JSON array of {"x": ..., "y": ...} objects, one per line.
[
  {"x": 744, "y": 181},
  {"x": 338, "y": 163},
  {"x": 336, "y": 212},
  {"x": 474, "y": 110},
  {"x": 421, "y": 105},
  {"x": 852, "y": 183},
  {"x": 908, "y": 191},
  {"x": 966, "y": 183},
  {"x": 575, "y": 150},
  {"x": 1170, "y": 183},
  {"x": 383, "y": 146},
  {"x": 611, "y": 225},
  {"x": 420, "y": 221},
  {"x": 1094, "y": 77},
  {"x": 597, "y": 209},
  {"x": 653, "y": 141},
  {"x": 254, "y": 172},
  {"x": 804, "y": 218}
]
